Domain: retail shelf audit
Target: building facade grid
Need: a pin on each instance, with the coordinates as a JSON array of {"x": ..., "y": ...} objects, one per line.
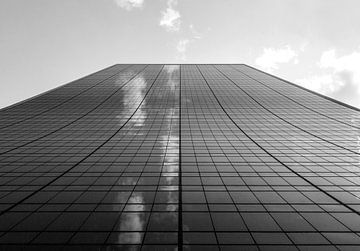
[{"x": 180, "y": 157}]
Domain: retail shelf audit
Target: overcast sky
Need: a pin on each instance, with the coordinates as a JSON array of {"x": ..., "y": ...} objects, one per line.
[{"x": 46, "y": 43}]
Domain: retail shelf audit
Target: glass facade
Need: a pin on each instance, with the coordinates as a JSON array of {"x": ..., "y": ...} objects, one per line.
[{"x": 180, "y": 157}]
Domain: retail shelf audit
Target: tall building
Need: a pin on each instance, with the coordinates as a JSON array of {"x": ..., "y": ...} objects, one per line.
[{"x": 180, "y": 157}]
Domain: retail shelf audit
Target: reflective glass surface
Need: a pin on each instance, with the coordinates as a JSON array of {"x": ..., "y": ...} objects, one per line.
[{"x": 180, "y": 157}]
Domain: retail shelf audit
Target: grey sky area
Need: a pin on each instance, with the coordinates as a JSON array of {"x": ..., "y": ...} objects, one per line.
[{"x": 46, "y": 43}]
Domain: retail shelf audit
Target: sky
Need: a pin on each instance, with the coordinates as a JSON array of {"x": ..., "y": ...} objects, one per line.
[{"x": 47, "y": 43}]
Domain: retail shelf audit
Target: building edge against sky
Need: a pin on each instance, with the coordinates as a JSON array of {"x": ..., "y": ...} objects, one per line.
[{"x": 282, "y": 79}]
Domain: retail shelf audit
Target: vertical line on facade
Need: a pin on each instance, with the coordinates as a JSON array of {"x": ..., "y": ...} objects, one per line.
[{"x": 180, "y": 233}]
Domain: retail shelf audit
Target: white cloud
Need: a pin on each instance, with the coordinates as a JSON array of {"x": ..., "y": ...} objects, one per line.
[
  {"x": 196, "y": 34},
  {"x": 349, "y": 62},
  {"x": 271, "y": 58},
  {"x": 304, "y": 45},
  {"x": 170, "y": 18},
  {"x": 325, "y": 83},
  {"x": 181, "y": 48},
  {"x": 183, "y": 44},
  {"x": 343, "y": 80},
  {"x": 129, "y": 4}
]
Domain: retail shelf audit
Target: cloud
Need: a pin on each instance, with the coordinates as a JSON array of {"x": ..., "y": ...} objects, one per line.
[
  {"x": 181, "y": 48},
  {"x": 196, "y": 34},
  {"x": 342, "y": 81},
  {"x": 183, "y": 44},
  {"x": 170, "y": 18},
  {"x": 129, "y": 4},
  {"x": 349, "y": 62},
  {"x": 324, "y": 83},
  {"x": 304, "y": 45},
  {"x": 349, "y": 90},
  {"x": 271, "y": 58}
]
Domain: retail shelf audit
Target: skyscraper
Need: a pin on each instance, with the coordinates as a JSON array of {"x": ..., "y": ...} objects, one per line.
[{"x": 186, "y": 157}]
